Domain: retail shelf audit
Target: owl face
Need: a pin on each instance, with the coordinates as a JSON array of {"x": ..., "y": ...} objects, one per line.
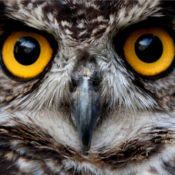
[{"x": 87, "y": 86}]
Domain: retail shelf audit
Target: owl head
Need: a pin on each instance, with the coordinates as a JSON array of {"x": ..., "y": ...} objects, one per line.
[{"x": 87, "y": 84}]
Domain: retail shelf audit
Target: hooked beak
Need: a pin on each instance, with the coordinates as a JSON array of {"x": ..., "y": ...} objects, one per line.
[{"x": 85, "y": 110}]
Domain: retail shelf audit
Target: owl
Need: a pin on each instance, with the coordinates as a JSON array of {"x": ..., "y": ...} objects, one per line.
[{"x": 87, "y": 87}]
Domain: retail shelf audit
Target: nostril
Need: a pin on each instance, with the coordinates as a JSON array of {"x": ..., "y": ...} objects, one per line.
[
  {"x": 96, "y": 82},
  {"x": 74, "y": 82},
  {"x": 72, "y": 86},
  {"x": 77, "y": 79}
]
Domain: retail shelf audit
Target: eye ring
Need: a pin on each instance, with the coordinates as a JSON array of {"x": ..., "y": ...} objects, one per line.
[
  {"x": 20, "y": 70},
  {"x": 157, "y": 67}
]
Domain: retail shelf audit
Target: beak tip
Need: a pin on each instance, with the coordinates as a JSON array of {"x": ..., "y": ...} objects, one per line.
[
  {"x": 85, "y": 138},
  {"x": 86, "y": 141},
  {"x": 85, "y": 153},
  {"x": 85, "y": 149}
]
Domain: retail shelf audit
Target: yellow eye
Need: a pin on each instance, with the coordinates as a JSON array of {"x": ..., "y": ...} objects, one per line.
[
  {"x": 149, "y": 51},
  {"x": 26, "y": 54}
]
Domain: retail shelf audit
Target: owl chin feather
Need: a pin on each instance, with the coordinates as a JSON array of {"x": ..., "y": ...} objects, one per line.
[{"x": 87, "y": 110}]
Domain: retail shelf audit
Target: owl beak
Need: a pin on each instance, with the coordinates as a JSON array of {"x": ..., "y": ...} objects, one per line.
[{"x": 85, "y": 104}]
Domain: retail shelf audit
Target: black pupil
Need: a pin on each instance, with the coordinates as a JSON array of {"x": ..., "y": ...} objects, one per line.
[
  {"x": 26, "y": 50},
  {"x": 148, "y": 48}
]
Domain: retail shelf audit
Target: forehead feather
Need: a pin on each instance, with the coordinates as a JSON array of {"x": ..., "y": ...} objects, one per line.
[{"x": 80, "y": 19}]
